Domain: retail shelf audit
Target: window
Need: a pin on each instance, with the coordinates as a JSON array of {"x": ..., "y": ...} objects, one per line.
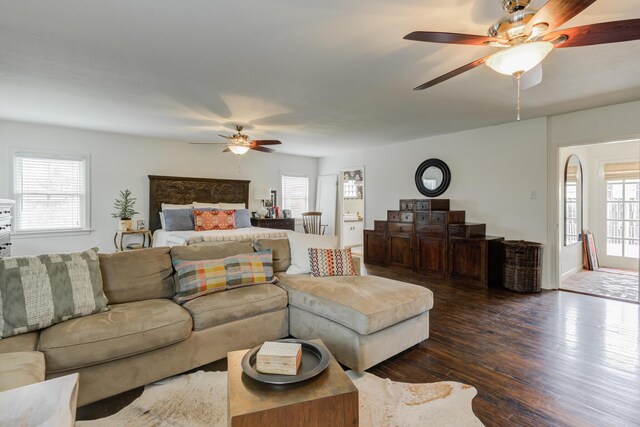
[
  {"x": 50, "y": 192},
  {"x": 295, "y": 194},
  {"x": 571, "y": 213},
  {"x": 623, "y": 209}
]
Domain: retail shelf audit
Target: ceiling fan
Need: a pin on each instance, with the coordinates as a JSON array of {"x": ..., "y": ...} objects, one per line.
[
  {"x": 526, "y": 36},
  {"x": 240, "y": 143}
]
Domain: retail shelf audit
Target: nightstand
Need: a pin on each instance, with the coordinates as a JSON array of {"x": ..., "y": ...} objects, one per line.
[
  {"x": 279, "y": 223},
  {"x": 120, "y": 247}
]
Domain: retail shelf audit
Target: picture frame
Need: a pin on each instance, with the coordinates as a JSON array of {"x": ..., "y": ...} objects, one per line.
[
  {"x": 274, "y": 200},
  {"x": 140, "y": 225}
]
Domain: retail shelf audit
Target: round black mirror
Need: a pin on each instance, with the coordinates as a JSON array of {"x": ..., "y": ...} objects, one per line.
[{"x": 433, "y": 177}]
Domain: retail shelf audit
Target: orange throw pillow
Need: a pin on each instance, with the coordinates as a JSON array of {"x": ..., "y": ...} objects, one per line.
[{"x": 214, "y": 220}]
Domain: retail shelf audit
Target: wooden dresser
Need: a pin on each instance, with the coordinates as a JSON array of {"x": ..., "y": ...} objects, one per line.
[
  {"x": 279, "y": 223},
  {"x": 429, "y": 238},
  {"x": 6, "y": 216}
]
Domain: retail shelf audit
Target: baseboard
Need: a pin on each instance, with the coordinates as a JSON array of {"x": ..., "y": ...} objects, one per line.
[{"x": 572, "y": 271}]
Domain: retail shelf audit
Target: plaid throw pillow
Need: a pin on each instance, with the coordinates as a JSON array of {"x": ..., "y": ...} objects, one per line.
[
  {"x": 214, "y": 220},
  {"x": 198, "y": 278},
  {"x": 331, "y": 262},
  {"x": 39, "y": 291}
]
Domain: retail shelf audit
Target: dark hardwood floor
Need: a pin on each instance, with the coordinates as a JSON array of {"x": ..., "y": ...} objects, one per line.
[
  {"x": 549, "y": 359},
  {"x": 554, "y": 358}
]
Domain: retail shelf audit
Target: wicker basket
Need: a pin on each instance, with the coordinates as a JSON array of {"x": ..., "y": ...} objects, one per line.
[{"x": 522, "y": 266}]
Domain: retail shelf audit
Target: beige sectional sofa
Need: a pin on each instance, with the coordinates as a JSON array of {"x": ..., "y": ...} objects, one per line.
[{"x": 145, "y": 336}]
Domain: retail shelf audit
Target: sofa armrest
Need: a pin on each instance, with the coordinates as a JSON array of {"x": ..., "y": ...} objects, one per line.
[{"x": 21, "y": 368}]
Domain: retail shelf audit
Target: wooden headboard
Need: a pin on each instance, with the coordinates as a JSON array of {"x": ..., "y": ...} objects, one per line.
[{"x": 180, "y": 190}]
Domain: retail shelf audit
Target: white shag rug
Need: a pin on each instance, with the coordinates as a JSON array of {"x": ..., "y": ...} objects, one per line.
[{"x": 200, "y": 399}]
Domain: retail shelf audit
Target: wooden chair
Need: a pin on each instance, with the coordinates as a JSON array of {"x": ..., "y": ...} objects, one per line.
[{"x": 311, "y": 222}]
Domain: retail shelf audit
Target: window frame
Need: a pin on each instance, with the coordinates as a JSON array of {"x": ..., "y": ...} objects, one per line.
[
  {"x": 624, "y": 220},
  {"x": 295, "y": 175},
  {"x": 85, "y": 204}
]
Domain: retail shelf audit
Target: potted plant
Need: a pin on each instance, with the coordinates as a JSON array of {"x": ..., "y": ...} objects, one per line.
[{"x": 124, "y": 209}]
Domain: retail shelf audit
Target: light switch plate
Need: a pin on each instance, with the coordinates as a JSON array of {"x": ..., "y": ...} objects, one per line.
[{"x": 533, "y": 194}]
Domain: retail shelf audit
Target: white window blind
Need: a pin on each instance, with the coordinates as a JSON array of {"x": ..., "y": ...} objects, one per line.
[
  {"x": 295, "y": 194},
  {"x": 50, "y": 193}
]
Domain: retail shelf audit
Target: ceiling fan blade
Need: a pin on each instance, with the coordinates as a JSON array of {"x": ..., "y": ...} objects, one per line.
[
  {"x": 453, "y": 73},
  {"x": 600, "y": 33},
  {"x": 226, "y": 150},
  {"x": 208, "y": 143},
  {"x": 225, "y": 136},
  {"x": 266, "y": 142},
  {"x": 263, "y": 149},
  {"x": 531, "y": 78},
  {"x": 452, "y": 38},
  {"x": 556, "y": 12}
]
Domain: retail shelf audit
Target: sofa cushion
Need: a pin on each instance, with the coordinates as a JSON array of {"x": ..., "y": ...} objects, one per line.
[
  {"x": 22, "y": 342},
  {"x": 137, "y": 275},
  {"x": 224, "y": 307},
  {"x": 127, "y": 329},
  {"x": 20, "y": 368},
  {"x": 279, "y": 249},
  {"x": 38, "y": 291},
  {"x": 365, "y": 304},
  {"x": 300, "y": 244},
  {"x": 212, "y": 250}
]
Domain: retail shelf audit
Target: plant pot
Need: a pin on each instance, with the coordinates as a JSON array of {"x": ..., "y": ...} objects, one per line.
[{"x": 125, "y": 225}]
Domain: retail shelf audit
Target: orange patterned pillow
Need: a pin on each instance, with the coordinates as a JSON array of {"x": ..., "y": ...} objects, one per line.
[{"x": 214, "y": 220}]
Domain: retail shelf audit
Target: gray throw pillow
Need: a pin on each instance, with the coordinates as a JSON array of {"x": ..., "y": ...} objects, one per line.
[
  {"x": 39, "y": 291},
  {"x": 179, "y": 220},
  {"x": 243, "y": 218}
]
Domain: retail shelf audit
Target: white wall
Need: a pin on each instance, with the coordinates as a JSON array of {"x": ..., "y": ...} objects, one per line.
[
  {"x": 124, "y": 161},
  {"x": 493, "y": 171}
]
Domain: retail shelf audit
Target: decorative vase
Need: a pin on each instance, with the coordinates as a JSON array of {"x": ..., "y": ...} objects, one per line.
[
  {"x": 125, "y": 225},
  {"x": 262, "y": 211}
]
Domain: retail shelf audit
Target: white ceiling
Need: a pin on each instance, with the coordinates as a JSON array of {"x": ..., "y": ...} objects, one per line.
[{"x": 324, "y": 76}]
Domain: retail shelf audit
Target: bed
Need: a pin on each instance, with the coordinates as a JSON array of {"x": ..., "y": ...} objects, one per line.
[{"x": 185, "y": 190}]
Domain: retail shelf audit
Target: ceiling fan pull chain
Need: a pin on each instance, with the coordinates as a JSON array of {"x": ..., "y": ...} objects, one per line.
[{"x": 518, "y": 75}]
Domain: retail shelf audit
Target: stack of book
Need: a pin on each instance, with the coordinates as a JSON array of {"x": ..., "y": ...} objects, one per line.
[{"x": 279, "y": 358}]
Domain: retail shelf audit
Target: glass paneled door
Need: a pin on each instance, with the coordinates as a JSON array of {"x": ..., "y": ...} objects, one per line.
[{"x": 623, "y": 218}]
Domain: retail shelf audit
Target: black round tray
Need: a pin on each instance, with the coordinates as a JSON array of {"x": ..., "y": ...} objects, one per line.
[{"x": 315, "y": 359}]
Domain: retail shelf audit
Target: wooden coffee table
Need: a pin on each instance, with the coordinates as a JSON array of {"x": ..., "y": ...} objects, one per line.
[{"x": 329, "y": 399}]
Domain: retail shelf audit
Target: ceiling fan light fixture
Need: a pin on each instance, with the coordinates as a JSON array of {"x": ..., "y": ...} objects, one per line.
[
  {"x": 238, "y": 149},
  {"x": 520, "y": 58}
]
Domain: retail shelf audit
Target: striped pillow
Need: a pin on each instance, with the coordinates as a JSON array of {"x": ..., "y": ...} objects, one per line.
[
  {"x": 214, "y": 220},
  {"x": 198, "y": 278},
  {"x": 39, "y": 291},
  {"x": 331, "y": 262}
]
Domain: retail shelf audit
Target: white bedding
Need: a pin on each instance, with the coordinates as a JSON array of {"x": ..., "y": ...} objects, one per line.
[{"x": 184, "y": 238}]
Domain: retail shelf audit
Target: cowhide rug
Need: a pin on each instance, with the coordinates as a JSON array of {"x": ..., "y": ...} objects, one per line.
[{"x": 200, "y": 399}]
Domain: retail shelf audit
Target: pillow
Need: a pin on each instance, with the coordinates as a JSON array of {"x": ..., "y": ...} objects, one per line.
[
  {"x": 213, "y": 220},
  {"x": 280, "y": 250},
  {"x": 198, "y": 205},
  {"x": 232, "y": 206},
  {"x": 331, "y": 262},
  {"x": 178, "y": 220},
  {"x": 243, "y": 218},
  {"x": 47, "y": 289},
  {"x": 300, "y": 244},
  {"x": 198, "y": 278},
  {"x": 169, "y": 206}
]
